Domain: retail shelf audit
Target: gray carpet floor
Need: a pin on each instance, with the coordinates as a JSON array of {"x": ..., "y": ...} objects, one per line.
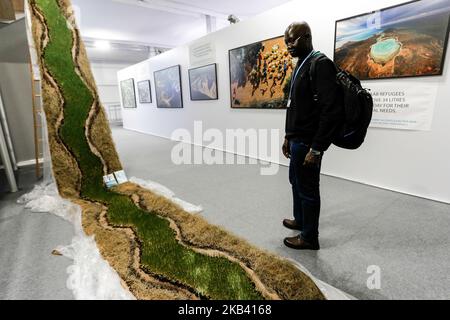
[
  {"x": 28, "y": 270},
  {"x": 406, "y": 237}
]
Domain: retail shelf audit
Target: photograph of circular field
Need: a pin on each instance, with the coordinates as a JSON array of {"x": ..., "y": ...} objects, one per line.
[{"x": 403, "y": 41}]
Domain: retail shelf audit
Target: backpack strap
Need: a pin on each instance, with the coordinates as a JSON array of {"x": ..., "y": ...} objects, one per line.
[{"x": 312, "y": 73}]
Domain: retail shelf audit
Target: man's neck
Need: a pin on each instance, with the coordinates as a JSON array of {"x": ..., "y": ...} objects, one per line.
[{"x": 302, "y": 58}]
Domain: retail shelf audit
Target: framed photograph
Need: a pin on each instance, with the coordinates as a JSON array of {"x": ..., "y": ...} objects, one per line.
[
  {"x": 144, "y": 92},
  {"x": 168, "y": 88},
  {"x": 406, "y": 40},
  {"x": 203, "y": 83},
  {"x": 260, "y": 75},
  {"x": 128, "y": 93}
]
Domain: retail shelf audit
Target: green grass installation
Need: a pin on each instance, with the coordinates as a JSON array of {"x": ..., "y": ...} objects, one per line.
[{"x": 217, "y": 278}]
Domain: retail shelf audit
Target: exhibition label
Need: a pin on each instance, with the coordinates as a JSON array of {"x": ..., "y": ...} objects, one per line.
[
  {"x": 407, "y": 107},
  {"x": 202, "y": 53}
]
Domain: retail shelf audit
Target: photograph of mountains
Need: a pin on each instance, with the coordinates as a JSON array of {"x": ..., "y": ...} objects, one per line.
[{"x": 403, "y": 41}]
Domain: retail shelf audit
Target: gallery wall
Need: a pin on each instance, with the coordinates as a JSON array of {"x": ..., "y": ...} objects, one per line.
[
  {"x": 105, "y": 75},
  {"x": 15, "y": 85},
  {"x": 411, "y": 162}
]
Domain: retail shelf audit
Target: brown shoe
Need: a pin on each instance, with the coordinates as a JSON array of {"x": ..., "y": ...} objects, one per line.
[
  {"x": 291, "y": 224},
  {"x": 300, "y": 244}
]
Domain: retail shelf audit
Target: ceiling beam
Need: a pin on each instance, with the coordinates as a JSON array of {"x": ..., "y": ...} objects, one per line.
[
  {"x": 200, "y": 10},
  {"x": 89, "y": 41},
  {"x": 174, "y": 7},
  {"x": 209, "y": 12}
]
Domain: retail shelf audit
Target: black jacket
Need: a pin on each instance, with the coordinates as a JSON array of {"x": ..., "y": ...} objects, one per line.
[{"x": 315, "y": 123}]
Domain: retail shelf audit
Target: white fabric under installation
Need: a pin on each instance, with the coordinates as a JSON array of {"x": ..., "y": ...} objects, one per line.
[
  {"x": 330, "y": 292},
  {"x": 166, "y": 193},
  {"x": 90, "y": 276}
]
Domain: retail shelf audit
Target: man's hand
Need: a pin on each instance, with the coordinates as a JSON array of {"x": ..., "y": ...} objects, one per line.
[
  {"x": 312, "y": 160},
  {"x": 285, "y": 149}
]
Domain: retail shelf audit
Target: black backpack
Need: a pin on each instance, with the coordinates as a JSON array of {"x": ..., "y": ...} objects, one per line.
[{"x": 358, "y": 108}]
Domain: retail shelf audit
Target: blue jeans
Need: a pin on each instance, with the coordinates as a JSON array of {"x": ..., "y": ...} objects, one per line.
[{"x": 305, "y": 183}]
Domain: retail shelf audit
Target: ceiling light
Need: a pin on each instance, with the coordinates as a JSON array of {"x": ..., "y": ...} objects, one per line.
[{"x": 102, "y": 44}]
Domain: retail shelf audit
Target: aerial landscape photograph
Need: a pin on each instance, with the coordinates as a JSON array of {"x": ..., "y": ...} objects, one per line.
[{"x": 403, "y": 41}]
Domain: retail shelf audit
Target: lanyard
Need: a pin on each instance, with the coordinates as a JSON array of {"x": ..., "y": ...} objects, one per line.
[{"x": 297, "y": 71}]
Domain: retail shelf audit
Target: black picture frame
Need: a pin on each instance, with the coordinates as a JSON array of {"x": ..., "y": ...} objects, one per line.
[
  {"x": 443, "y": 56},
  {"x": 231, "y": 77},
  {"x": 200, "y": 96},
  {"x": 148, "y": 88},
  {"x": 128, "y": 84},
  {"x": 168, "y": 84}
]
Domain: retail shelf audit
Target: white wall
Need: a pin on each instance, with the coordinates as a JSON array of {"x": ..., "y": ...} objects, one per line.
[
  {"x": 15, "y": 86},
  {"x": 105, "y": 75},
  {"x": 411, "y": 162}
]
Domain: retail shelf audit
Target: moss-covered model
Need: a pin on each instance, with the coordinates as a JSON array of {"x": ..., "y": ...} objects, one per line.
[{"x": 159, "y": 251}]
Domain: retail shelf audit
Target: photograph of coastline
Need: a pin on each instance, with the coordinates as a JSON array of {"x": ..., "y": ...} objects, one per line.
[
  {"x": 203, "y": 83},
  {"x": 128, "y": 94},
  {"x": 144, "y": 92},
  {"x": 407, "y": 40},
  {"x": 168, "y": 88}
]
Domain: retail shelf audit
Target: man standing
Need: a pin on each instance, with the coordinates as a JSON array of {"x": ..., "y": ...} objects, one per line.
[{"x": 312, "y": 118}]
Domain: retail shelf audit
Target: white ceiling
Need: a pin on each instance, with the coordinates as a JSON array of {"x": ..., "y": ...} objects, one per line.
[{"x": 161, "y": 23}]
